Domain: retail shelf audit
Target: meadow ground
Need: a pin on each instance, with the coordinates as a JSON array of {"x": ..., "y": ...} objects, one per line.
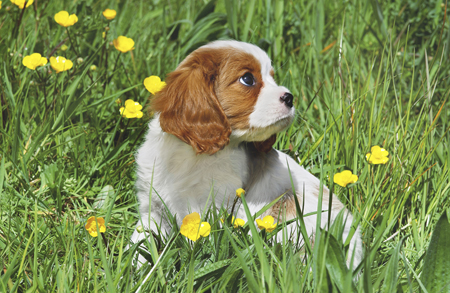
[{"x": 364, "y": 73}]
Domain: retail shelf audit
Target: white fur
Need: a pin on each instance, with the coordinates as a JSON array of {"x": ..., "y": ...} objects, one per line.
[{"x": 184, "y": 180}]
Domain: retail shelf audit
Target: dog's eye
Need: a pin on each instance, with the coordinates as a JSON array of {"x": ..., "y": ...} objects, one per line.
[{"x": 247, "y": 79}]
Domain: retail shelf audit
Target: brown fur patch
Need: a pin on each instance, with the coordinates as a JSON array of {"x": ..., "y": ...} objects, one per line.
[
  {"x": 238, "y": 100},
  {"x": 285, "y": 206},
  {"x": 265, "y": 146},
  {"x": 189, "y": 107}
]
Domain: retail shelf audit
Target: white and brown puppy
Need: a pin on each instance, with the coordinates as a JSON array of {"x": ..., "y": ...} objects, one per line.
[{"x": 214, "y": 126}]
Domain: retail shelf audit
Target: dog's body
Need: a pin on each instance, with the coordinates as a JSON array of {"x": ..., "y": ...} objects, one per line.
[{"x": 212, "y": 133}]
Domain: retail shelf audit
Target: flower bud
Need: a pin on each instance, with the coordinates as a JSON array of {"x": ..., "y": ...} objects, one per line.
[{"x": 93, "y": 67}]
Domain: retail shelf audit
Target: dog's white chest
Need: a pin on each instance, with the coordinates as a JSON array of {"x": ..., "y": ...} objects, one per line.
[{"x": 182, "y": 180}]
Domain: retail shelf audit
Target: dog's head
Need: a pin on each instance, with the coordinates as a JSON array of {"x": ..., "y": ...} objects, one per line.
[{"x": 224, "y": 90}]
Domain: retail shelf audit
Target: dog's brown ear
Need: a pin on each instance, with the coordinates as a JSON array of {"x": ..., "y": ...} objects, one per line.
[
  {"x": 188, "y": 106},
  {"x": 266, "y": 145}
]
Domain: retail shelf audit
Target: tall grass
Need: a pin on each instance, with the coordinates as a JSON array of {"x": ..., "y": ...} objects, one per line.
[{"x": 363, "y": 74}]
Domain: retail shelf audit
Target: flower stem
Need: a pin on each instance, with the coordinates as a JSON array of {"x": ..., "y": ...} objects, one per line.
[
  {"x": 44, "y": 82},
  {"x": 72, "y": 43},
  {"x": 104, "y": 50},
  {"x": 108, "y": 79},
  {"x": 121, "y": 132},
  {"x": 106, "y": 243},
  {"x": 234, "y": 205},
  {"x": 115, "y": 64},
  {"x": 19, "y": 21},
  {"x": 57, "y": 46}
]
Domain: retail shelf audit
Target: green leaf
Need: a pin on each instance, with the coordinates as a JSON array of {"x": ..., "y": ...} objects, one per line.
[
  {"x": 104, "y": 197},
  {"x": 391, "y": 274},
  {"x": 252, "y": 283},
  {"x": 379, "y": 16},
  {"x": 335, "y": 263},
  {"x": 436, "y": 270}
]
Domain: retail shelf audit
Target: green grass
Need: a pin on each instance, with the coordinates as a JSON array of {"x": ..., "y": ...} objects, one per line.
[{"x": 66, "y": 154}]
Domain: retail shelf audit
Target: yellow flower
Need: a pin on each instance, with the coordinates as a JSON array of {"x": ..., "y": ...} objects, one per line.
[
  {"x": 239, "y": 192},
  {"x": 60, "y": 64},
  {"x": 193, "y": 228},
  {"x": 132, "y": 109},
  {"x": 377, "y": 156},
  {"x": 123, "y": 44},
  {"x": 34, "y": 60},
  {"x": 91, "y": 226},
  {"x": 0, "y": 4},
  {"x": 63, "y": 18},
  {"x": 266, "y": 223},
  {"x": 21, "y": 3},
  {"x": 109, "y": 14},
  {"x": 344, "y": 178},
  {"x": 236, "y": 222},
  {"x": 154, "y": 84}
]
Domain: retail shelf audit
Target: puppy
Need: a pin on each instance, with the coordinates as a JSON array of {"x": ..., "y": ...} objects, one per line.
[{"x": 214, "y": 126}]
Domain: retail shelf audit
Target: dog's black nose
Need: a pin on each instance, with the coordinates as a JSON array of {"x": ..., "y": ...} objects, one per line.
[{"x": 287, "y": 99}]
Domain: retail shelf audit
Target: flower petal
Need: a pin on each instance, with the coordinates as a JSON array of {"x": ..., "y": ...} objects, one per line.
[
  {"x": 239, "y": 192},
  {"x": 205, "y": 229},
  {"x": 154, "y": 84},
  {"x": 123, "y": 44},
  {"x": 109, "y": 14}
]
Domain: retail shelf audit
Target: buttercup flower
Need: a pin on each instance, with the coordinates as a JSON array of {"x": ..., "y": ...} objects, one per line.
[
  {"x": 60, "y": 64},
  {"x": 377, "y": 156},
  {"x": 154, "y": 84},
  {"x": 239, "y": 192},
  {"x": 21, "y": 3},
  {"x": 236, "y": 222},
  {"x": 132, "y": 109},
  {"x": 109, "y": 14},
  {"x": 91, "y": 226},
  {"x": 266, "y": 223},
  {"x": 63, "y": 18},
  {"x": 123, "y": 44},
  {"x": 344, "y": 178},
  {"x": 0, "y": 4},
  {"x": 193, "y": 228},
  {"x": 34, "y": 60}
]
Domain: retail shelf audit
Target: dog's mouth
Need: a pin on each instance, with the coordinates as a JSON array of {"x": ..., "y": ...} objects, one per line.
[
  {"x": 285, "y": 120},
  {"x": 263, "y": 133}
]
